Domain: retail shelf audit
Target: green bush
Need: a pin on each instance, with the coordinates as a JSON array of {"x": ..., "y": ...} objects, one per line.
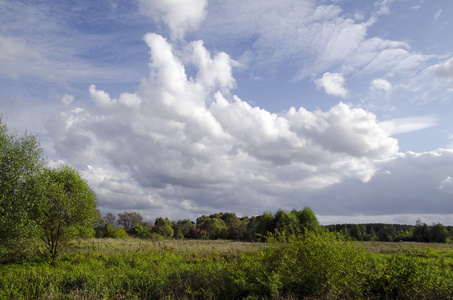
[{"x": 116, "y": 233}]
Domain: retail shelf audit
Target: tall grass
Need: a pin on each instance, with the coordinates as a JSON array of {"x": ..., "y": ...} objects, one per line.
[{"x": 313, "y": 266}]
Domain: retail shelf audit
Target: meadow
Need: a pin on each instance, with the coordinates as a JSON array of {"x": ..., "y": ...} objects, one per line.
[{"x": 313, "y": 266}]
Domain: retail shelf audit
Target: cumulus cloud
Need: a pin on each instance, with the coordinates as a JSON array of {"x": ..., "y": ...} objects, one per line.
[
  {"x": 180, "y": 15},
  {"x": 333, "y": 84},
  {"x": 184, "y": 141}
]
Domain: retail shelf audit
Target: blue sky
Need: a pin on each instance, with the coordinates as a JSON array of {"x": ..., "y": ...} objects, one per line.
[{"x": 183, "y": 108}]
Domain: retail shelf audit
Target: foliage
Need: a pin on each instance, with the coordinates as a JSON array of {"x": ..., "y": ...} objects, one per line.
[
  {"x": 309, "y": 266},
  {"x": 421, "y": 232},
  {"x": 110, "y": 219},
  {"x": 64, "y": 206},
  {"x": 183, "y": 229},
  {"x": 115, "y": 232},
  {"x": 129, "y": 219},
  {"x": 163, "y": 227},
  {"x": 20, "y": 160},
  {"x": 439, "y": 234},
  {"x": 307, "y": 219},
  {"x": 141, "y": 231},
  {"x": 213, "y": 228}
]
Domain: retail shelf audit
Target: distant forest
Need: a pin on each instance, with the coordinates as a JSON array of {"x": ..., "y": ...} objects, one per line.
[{"x": 257, "y": 228}]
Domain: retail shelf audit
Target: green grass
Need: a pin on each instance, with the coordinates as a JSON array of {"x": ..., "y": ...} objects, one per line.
[{"x": 288, "y": 267}]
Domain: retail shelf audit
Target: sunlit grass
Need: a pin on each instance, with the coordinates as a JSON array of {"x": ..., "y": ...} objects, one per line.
[{"x": 314, "y": 267}]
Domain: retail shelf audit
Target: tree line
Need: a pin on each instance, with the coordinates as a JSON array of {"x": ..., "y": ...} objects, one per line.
[
  {"x": 420, "y": 232},
  {"x": 226, "y": 225},
  {"x": 223, "y": 225}
]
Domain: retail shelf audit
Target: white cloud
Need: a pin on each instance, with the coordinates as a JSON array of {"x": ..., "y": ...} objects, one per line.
[
  {"x": 333, "y": 84},
  {"x": 405, "y": 125},
  {"x": 180, "y": 15},
  {"x": 383, "y": 7},
  {"x": 380, "y": 85},
  {"x": 179, "y": 139},
  {"x": 312, "y": 38},
  {"x": 444, "y": 70}
]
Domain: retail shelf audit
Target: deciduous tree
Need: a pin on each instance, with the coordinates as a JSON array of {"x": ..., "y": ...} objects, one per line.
[
  {"x": 64, "y": 206},
  {"x": 129, "y": 219},
  {"x": 20, "y": 159}
]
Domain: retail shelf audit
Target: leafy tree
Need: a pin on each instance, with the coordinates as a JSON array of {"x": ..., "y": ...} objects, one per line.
[
  {"x": 214, "y": 228},
  {"x": 110, "y": 219},
  {"x": 129, "y": 219},
  {"x": 20, "y": 160},
  {"x": 251, "y": 227},
  {"x": 421, "y": 232},
  {"x": 64, "y": 206},
  {"x": 184, "y": 229},
  {"x": 163, "y": 227},
  {"x": 439, "y": 234},
  {"x": 100, "y": 225},
  {"x": 266, "y": 224},
  {"x": 386, "y": 234},
  {"x": 286, "y": 222},
  {"x": 141, "y": 231},
  {"x": 307, "y": 220},
  {"x": 358, "y": 232},
  {"x": 235, "y": 228}
]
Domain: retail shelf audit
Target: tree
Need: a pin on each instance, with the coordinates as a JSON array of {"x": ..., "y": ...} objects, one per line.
[
  {"x": 64, "y": 206},
  {"x": 439, "y": 234},
  {"x": 235, "y": 227},
  {"x": 129, "y": 219},
  {"x": 358, "y": 232},
  {"x": 421, "y": 232},
  {"x": 214, "y": 228},
  {"x": 20, "y": 160},
  {"x": 100, "y": 225},
  {"x": 184, "y": 229},
  {"x": 386, "y": 233},
  {"x": 286, "y": 222},
  {"x": 307, "y": 220},
  {"x": 163, "y": 227},
  {"x": 266, "y": 224},
  {"x": 110, "y": 219}
]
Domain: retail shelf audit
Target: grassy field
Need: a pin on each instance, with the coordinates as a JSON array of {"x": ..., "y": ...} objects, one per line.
[{"x": 310, "y": 267}]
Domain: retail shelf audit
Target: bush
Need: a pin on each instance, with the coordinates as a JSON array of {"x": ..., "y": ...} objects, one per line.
[
  {"x": 141, "y": 232},
  {"x": 116, "y": 233}
]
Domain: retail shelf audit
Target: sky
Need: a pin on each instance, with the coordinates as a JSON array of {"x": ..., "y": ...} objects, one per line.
[{"x": 183, "y": 108}]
